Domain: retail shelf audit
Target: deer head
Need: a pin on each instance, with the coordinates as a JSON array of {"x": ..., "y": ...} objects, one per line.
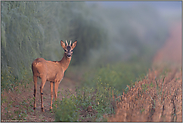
[{"x": 68, "y": 48}]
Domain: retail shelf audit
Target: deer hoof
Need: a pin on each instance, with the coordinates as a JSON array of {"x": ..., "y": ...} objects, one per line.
[{"x": 42, "y": 109}]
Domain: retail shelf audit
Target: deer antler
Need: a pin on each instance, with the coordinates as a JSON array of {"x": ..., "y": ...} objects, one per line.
[
  {"x": 70, "y": 43},
  {"x": 66, "y": 43}
]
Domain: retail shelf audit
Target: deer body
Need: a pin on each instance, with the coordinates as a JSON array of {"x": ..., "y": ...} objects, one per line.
[{"x": 52, "y": 71}]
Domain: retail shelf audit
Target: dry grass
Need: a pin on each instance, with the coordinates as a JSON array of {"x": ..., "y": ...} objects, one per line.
[{"x": 158, "y": 97}]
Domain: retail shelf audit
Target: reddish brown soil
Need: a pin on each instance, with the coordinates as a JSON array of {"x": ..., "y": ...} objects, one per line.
[{"x": 158, "y": 97}]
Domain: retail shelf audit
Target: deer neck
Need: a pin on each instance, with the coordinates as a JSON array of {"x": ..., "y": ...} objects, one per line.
[{"x": 64, "y": 62}]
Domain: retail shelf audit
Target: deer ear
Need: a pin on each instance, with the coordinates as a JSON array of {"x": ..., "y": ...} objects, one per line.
[
  {"x": 74, "y": 44},
  {"x": 62, "y": 44}
]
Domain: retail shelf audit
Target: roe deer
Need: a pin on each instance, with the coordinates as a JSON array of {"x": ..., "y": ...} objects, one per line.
[{"x": 52, "y": 71}]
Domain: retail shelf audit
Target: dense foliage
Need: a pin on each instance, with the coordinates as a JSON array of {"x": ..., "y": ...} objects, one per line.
[{"x": 34, "y": 29}]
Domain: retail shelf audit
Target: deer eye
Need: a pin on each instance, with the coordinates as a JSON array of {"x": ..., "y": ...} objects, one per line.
[
  {"x": 71, "y": 50},
  {"x": 65, "y": 50}
]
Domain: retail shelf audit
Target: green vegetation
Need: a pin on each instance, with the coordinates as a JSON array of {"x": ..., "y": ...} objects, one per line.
[
  {"x": 66, "y": 110},
  {"x": 72, "y": 106},
  {"x": 117, "y": 75},
  {"x": 97, "y": 89},
  {"x": 37, "y": 32}
]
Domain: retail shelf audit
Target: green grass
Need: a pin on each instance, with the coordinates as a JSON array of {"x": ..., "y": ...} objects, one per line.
[
  {"x": 66, "y": 110},
  {"x": 98, "y": 88},
  {"x": 116, "y": 75},
  {"x": 100, "y": 98},
  {"x": 9, "y": 81}
]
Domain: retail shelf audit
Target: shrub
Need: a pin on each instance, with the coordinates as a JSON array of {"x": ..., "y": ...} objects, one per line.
[
  {"x": 99, "y": 98},
  {"x": 116, "y": 75},
  {"x": 66, "y": 110}
]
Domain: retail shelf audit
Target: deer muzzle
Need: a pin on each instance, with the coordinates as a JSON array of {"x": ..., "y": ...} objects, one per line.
[{"x": 68, "y": 54}]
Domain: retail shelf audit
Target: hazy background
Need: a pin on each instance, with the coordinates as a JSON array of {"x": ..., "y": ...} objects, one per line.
[{"x": 107, "y": 33}]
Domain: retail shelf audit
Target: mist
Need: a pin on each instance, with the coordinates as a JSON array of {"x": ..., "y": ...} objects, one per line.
[
  {"x": 107, "y": 32},
  {"x": 134, "y": 29}
]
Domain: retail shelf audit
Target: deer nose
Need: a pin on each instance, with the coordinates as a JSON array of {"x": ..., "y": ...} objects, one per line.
[{"x": 68, "y": 55}]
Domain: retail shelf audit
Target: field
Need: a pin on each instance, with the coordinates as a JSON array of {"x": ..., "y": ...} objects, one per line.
[
  {"x": 124, "y": 68},
  {"x": 157, "y": 97}
]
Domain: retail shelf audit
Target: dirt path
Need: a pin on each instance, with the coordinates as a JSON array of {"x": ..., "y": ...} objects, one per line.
[
  {"x": 17, "y": 98},
  {"x": 65, "y": 86},
  {"x": 158, "y": 97}
]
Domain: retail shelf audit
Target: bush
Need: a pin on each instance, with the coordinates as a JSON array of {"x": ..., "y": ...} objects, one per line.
[
  {"x": 99, "y": 98},
  {"x": 116, "y": 75},
  {"x": 66, "y": 110}
]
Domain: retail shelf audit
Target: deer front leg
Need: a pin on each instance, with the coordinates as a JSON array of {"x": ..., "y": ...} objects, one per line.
[
  {"x": 35, "y": 87},
  {"x": 51, "y": 88},
  {"x": 56, "y": 90},
  {"x": 41, "y": 91}
]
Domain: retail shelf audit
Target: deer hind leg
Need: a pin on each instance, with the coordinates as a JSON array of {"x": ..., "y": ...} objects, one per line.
[
  {"x": 51, "y": 88},
  {"x": 35, "y": 87},
  {"x": 43, "y": 81}
]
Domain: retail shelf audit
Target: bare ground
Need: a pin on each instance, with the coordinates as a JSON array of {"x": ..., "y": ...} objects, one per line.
[{"x": 27, "y": 93}]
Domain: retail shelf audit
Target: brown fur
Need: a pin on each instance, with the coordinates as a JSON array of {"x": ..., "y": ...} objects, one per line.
[{"x": 52, "y": 71}]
